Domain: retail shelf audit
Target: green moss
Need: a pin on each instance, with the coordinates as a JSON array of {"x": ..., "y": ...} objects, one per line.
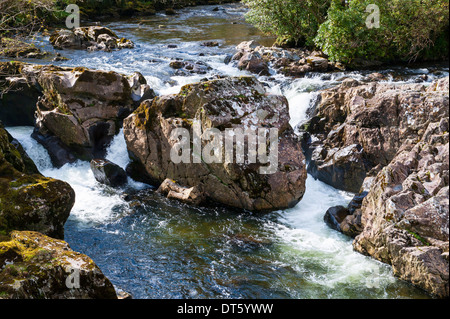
[
  {"x": 145, "y": 115},
  {"x": 418, "y": 237}
]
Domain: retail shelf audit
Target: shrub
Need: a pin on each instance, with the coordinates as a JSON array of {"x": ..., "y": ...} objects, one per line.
[
  {"x": 409, "y": 30},
  {"x": 293, "y": 20}
]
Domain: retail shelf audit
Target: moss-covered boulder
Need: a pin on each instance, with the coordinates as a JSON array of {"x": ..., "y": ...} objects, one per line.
[
  {"x": 35, "y": 266},
  {"x": 14, "y": 48},
  {"x": 28, "y": 200}
]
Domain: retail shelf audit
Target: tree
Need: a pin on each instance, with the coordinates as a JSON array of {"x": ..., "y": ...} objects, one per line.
[
  {"x": 293, "y": 20},
  {"x": 408, "y": 30}
]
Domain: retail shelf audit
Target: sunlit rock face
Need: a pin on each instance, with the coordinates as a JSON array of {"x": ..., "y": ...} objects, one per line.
[
  {"x": 357, "y": 128},
  {"x": 28, "y": 200}
]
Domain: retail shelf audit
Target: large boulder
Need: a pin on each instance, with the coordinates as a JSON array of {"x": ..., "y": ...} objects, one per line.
[
  {"x": 357, "y": 128},
  {"x": 251, "y": 60},
  {"x": 254, "y": 63},
  {"x": 28, "y": 200},
  {"x": 92, "y": 38},
  {"x": 34, "y": 266},
  {"x": 219, "y": 105},
  {"x": 80, "y": 110},
  {"x": 347, "y": 220}
]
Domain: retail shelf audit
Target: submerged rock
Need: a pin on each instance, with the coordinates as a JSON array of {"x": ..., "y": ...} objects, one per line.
[
  {"x": 210, "y": 44},
  {"x": 233, "y": 103},
  {"x": 34, "y": 266},
  {"x": 185, "y": 68},
  {"x": 94, "y": 38},
  {"x": 108, "y": 173},
  {"x": 28, "y": 200}
]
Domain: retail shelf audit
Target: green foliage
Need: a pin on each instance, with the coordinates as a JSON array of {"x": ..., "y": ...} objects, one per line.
[
  {"x": 409, "y": 29},
  {"x": 25, "y": 16},
  {"x": 290, "y": 20}
]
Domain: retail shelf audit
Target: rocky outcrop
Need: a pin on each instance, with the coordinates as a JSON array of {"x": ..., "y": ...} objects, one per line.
[
  {"x": 79, "y": 110},
  {"x": 108, "y": 173},
  {"x": 355, "y": 128},
  {"x": 34, "y": 266},
  {"x": 405, "y": 215},
  {"x": 255, "y": 58},
  {"x": 401, "y": 215},
  {"x": 28, "y": 200},
  {"x": 228, "y": 103},
  {"x": 32, "y": 208},
  {"x": 185, "y": 68},
  {"x": 14, "y": 48},
  {"x": 94, "y": 38}
]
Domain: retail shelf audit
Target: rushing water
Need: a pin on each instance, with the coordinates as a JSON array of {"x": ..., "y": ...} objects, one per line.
[{"x": 166, "y": 249}]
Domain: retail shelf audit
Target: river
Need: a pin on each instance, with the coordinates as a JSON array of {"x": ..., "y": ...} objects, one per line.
[{"x": 166, "y": 249}]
